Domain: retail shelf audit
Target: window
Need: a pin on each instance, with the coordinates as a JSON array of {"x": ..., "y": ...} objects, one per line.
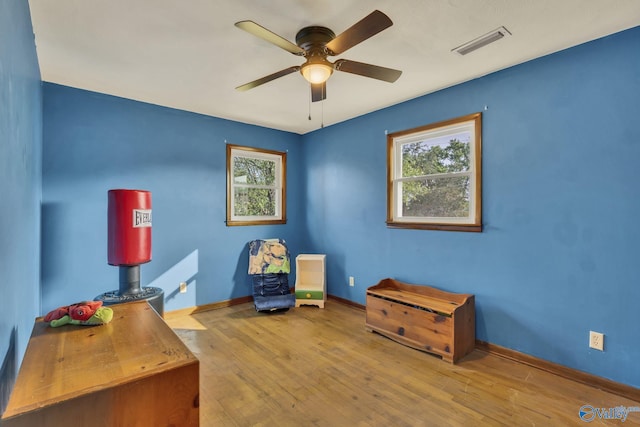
[
  {"x": 434, "y": 176},
  {"x": 256, "y": 186}
]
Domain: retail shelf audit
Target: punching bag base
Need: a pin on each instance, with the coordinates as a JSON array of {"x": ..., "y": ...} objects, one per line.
[{"x": 154, "y": 296}]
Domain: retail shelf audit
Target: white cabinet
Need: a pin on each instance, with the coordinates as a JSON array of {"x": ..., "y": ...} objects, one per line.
[{"x": 311, "y": 280}]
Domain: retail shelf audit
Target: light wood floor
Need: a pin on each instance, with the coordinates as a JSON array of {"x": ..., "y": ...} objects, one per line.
[{"x": 320, "y": 367}]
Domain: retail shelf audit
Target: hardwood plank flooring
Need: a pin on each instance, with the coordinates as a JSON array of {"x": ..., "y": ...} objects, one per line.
[{"x": 321, "y": 367}]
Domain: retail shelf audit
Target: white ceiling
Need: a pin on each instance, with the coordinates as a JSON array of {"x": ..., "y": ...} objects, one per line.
[{"x": 189, "y": 55}]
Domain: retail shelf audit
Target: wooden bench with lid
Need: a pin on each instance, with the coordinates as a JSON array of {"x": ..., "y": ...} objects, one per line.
[{"x": 423, "y": 317}]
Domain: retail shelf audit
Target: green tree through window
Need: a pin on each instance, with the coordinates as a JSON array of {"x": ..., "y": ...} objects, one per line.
[
  {"x": 254, "y": 201},
  {"x": 435, "y": 197}
]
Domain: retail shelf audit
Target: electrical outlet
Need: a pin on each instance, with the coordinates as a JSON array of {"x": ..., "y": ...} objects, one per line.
[
  {"x": 596, "y": 340},
  {"x": 183, "y": 287},
  {"x": 352, "y": 281}
]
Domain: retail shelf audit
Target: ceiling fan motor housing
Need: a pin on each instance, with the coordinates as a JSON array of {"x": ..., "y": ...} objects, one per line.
[{"x": 313, "y": 37}]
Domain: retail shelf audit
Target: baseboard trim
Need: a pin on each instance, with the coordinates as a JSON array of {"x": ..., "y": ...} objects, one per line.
[
  {"x": 241, "y": 300},
  {"x": 347, "y": 302},
  {"x": 207, "y": 307},
  {"x": 595, "y": 381},
  {"x": 223, "y": 304}
]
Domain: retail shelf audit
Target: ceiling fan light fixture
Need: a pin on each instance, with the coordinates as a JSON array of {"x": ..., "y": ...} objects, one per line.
[{"x": 317, "y": 72}]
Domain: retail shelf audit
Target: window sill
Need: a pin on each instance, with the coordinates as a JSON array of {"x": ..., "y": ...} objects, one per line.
[
  {"x": 261, "y": 222},
  {"x": 442, "y": 227}
]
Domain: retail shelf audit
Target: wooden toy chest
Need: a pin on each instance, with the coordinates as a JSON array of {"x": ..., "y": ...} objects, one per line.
[{"x": 422, "y": 317}]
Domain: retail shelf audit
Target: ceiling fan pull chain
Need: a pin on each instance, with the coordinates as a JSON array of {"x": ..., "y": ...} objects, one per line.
[{"x": 309, "y": 104}]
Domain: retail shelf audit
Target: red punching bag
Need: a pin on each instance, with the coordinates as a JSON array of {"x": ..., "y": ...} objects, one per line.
[
  {"x": 129, "y": 227},
  {"x": 129, "y": 245}
]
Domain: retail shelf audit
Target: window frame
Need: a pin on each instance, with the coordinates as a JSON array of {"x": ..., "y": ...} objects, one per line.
[
  {"x": 473, "y": 222},
  {"x": 280, "y": 185}
]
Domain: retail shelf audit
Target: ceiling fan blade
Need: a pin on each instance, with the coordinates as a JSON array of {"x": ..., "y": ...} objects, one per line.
[
  {"x": 259, "y": 31},
  {"x": 268, "y": 78},
  {"x": 318, "y": 91},
  {"x": 367, "y": 27},
  {"x": 367, "y": 70}
]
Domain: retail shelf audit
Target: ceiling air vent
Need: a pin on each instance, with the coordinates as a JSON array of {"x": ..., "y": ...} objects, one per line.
[{"x": 482, "y": 41}]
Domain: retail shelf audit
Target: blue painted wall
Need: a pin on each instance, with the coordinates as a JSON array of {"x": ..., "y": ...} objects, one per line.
[
  {"x": 95, "y": 142},
  {"x": 20, "y": 188},
  {"x": 556, "y": 258},
  {"x": 559, "y": 252}
]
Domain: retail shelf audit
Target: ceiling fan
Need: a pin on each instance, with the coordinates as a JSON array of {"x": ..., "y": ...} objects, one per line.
[{"x": 315, "y": 43}]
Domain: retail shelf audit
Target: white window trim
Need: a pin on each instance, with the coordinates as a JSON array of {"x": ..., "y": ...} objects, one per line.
[
  {"x": 395, "y": 142},
  {"x": 279, "y": 185}
]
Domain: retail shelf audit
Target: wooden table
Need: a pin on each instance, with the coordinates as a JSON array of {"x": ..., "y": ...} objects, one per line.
[{"x": 134, "y": 371}]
